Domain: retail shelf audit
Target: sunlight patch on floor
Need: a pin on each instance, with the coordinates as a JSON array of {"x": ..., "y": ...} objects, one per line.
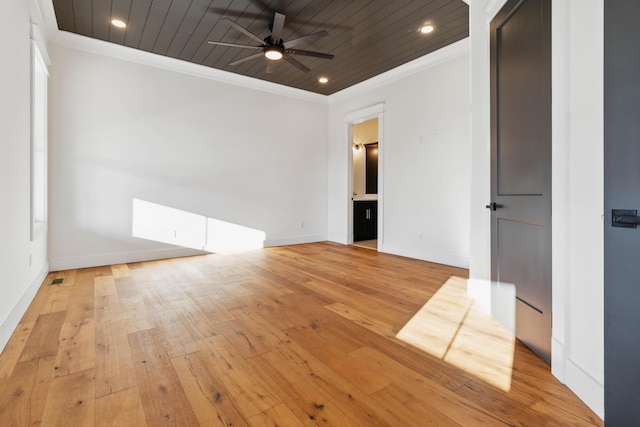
[{"x": 452, "y": 327}]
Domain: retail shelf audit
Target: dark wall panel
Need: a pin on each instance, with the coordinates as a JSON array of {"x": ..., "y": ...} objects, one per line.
[{"x": 622, "y": 191}]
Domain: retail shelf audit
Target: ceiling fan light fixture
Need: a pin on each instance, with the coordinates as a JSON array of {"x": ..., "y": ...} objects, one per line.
[
  {"x": 273, "y": 53},
  {"x": 323, "y": 80}
]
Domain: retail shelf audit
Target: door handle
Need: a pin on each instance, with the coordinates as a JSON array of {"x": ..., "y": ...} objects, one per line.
[
  {"x": 493, "y": 206},
  {"x": 368, "y": 216},
  {"x": 625, "y": 218}
]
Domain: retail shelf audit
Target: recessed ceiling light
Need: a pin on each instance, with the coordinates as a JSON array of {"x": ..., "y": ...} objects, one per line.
[
  {"x": 118, "y": 23},
  {"x": 426, "y": 29},
  {"x": 323, "y": 80}
]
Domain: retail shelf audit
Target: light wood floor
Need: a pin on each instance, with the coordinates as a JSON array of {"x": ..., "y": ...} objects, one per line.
[
  {"x": 369, "y": 244},
  {"x": 292, "y": 336}
]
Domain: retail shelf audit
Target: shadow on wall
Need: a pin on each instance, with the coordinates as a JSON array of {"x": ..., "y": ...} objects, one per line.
[{"x": 164, "y": 224}]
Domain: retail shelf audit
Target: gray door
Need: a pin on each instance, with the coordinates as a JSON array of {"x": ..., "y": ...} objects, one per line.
[
  {"x": 521, "y": 164},
  {"x": 621, "y": 191}
]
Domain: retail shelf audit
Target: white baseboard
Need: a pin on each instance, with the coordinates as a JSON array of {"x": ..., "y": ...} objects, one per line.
[
  {"x": 68, "y": 263},
  {"x": 295, "y": 240},
  {"x": 558, "y": 360},
  {"x": 438, "y": 258},
  {"x": 11, "y": 322},
  {"x": 587, "y": 388}
]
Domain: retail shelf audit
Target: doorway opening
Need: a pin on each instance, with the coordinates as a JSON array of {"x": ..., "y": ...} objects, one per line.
[{"x": 364, "y": 182}]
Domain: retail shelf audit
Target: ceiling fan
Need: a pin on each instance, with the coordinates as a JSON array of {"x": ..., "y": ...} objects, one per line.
[{"x": 274, "y": 48}]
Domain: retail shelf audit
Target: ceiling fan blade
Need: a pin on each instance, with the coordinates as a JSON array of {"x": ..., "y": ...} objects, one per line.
[
  {"x": 244, "y": 46},
  {"x": 270, "y": 67},
  {"x": 245, "y": 59},
  {"x": 309, "y": 38},
  {"x": 296, "y": 64},
  {"x": 245, "y": 31},
  {"x": 309, "y": 53},
  {"x": 276, "y": 30}
]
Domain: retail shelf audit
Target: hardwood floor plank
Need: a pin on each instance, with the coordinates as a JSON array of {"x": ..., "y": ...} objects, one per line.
[
  {"x": 321, "y": 393},
  {"x": 568, "y": 411},
  {"x": 198, "y": 323},
  {"x": 114, "y": 367},
  {"x": 212, "y": 403},
  {"x": 312, "y": 334},
  {"x": 77, "y": 347},
  {"x": 127, "y": 287},
  {"x": 304, "y": 410},
  {"x": 162, "y": 395},
  {"x": 41, "y": 388},
  {"x": 120, "y": 270},
  {"x": 371, "y": 307},
  {"x": 398, "y": 403},
  {"x": 509, "y": 410},
  {"x": 14, "y": 348},
  {"x": 44, "y": 338},
  {"x": 104, "y": 285},
  {"x": 243, "y": 342},
  {"x": 366, "y": 281},
  {"x": 70, "y": 401},
  {"x": 15, "y": 400},
  {"x": 123, "y": 408},
  {"x": 260, "y": 327},
  {"x": 335, "y": 329},
  {"x": 308, "y": 401},
  {"x": 371, "y": 323},
  {"x": 110, "y": 308},
  {"x": 81, "y": 301},
  {"x": 351, "y": 369},
  {"x": 250, "y": 392},
  {"x": 279, "y": 415},
  {"x": 175, "y": 336},
  {"x": 426, "y": 391},
  {"x": 436, "y": 370}
]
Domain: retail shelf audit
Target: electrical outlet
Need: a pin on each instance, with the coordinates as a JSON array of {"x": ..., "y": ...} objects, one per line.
[
  {"x": 301, "y": 224},
  {"x": 420, "y": 235}
]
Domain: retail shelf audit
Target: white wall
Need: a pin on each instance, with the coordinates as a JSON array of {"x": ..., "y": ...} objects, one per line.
[
  {"x": 122, "y": 130},
  {"x": 577, "y": 347},
  {"x": 425, "y": 154},
  {"x": 23, "y": 263},
  {"x": 578, "y": 281}
]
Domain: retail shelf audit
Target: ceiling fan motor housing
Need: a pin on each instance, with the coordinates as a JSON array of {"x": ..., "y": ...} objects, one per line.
[{"x": 274, "y": 51}]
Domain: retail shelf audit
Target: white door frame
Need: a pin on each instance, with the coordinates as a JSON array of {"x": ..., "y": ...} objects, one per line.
[{"x": 372, "y": 112}]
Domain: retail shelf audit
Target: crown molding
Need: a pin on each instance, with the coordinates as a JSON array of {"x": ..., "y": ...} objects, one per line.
[
  {"x": 125, "y": 53},
  {"x": 447, "y": 53}
]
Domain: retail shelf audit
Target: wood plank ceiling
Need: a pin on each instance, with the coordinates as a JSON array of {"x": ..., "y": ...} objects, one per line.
[{"x": 367, "y": 37}]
